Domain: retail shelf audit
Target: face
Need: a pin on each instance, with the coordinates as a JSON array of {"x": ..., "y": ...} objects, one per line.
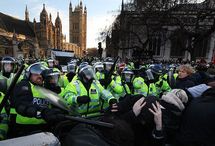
[
  {"x": 8, "y": 67},
  {"x": 182, "y": 73},
  {"x": 99, "y": 69},
  {"x": 36, "y": 79},
  {"x": 51, "y": 64},
  {"x": 108, "y": 67},
  {"x": 128, "y": 78}
]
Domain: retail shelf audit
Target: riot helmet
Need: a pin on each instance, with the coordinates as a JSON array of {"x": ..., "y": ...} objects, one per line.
[
  {"x": 98, "y": 67},
  {"x": 8, "y": 64},
  {"x": 127, "y": 75},
  {"x": 71, "y": 68},
  {"x": 36, "y": 69},
  {"x": 86, "y": 74},
  {"x": 50, "y": 63},
  {"x": 108, "y": 62}
]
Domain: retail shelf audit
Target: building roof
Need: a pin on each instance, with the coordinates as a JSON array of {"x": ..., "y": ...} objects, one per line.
[
  {"x": 11, "y": 24},
  {"x": 190, "y": 7}
]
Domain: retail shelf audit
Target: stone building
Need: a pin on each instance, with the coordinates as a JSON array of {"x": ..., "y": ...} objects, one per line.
[
  {"x": 22, "y": 38},
  {"x": 78, "y": 26},
  {"x": 183, "y": 30}
]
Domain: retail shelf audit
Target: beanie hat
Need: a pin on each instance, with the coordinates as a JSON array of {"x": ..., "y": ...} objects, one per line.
[
  {"x": 176, "y": 97},
  {"x": 145, "y": 114}
]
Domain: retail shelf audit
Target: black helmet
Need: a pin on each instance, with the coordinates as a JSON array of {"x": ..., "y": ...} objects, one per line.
[
  {"x": 8, "y": 65},
  {"x": 127, "y": 75},
  {"x": 156, "y": 69},
  {"x": 51, "y": 76},
  {"x": 86, "y": 74},
  {"x": 50, "y": 63},
  {"x": 82, "y": 65},
  {"x": 71, "y": 68},
  {"x": 108, "y": 62},
  {"x": 36, "y": 68}
]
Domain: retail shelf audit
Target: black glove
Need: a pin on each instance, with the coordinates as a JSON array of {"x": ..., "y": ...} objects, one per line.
[
  {"x": 52, "y": 115},
  {"x": 108, "y": 81},
  {"x": 83, "y": 99},
  {"x": 112, "y": 101},
  {"x": 53, "y": 87}
]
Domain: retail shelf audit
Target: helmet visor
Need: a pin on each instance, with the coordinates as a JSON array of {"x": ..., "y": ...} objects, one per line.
[
  {"x": 37, "y": 69},
  {"x": 88, "y": 73},
  {"x": 71, "y": 68}
]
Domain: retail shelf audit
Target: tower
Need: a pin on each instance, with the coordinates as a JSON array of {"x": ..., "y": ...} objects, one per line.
[
  {"x": 43, "y": 32},
  {"x": 26, "y": 14},
  {"x": 78, "y": 26},
  {"x": 58, "y": 32}
]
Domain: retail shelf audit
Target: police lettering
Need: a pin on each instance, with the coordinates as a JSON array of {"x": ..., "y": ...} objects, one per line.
[{"x": 40, "y": 101}]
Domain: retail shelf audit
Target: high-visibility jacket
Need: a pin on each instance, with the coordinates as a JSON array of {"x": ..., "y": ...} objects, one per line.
[
  {"x": 115, "y": 87},
  {"x": 4, "y": 122},
  {"x": 100, "y": 75},
  {"x": 97, "y": 94},
  {"x": 140, "y": 86},
  {"x": 37, "y": 99}
]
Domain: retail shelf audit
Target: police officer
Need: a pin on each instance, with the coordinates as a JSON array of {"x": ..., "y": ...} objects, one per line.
[
  {"x": 4, "y": 121},
  {"x": 71, "y": 73},
  {"x": 8, "y": 68},
  {"x": 160, "y": 82},
  {"x": 99, "y": 70},
  {"x": 51, "y": 79},
  {"x": 86, "y": 94},
  {"x": 30, "y": 111}
]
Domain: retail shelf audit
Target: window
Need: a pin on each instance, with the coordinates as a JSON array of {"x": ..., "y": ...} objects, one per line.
[{"x": 75, "y": 26}]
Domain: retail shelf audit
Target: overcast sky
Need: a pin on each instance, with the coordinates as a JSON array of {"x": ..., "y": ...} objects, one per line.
[{"x": 101, "y": 13}]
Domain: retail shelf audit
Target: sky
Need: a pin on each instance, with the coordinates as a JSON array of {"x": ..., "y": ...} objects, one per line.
[{"x": 100, "y": 13}]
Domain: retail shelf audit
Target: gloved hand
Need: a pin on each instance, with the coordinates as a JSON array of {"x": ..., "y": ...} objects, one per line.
[
  {"x": 108, "y": 81},
  {"x": 112, "y": 101},
  {"x": 102, "y": 82},
  {"x": 83, "y": 99},
  {"x": 52, "y": 115}
]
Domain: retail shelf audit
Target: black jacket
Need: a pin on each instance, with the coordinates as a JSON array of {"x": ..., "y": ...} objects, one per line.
[
  {"x": 197, "y": 127},
  {"x": 183, "y": 83}
]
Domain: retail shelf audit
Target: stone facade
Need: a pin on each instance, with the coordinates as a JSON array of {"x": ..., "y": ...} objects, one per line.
[
  {"x": 164, "y": 34},
  {"x": 78, "y": 26},
  {"x": 22, "y": 38}
]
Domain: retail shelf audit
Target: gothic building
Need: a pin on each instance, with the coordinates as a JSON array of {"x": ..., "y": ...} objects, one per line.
[
  {"x": 173, "y": 30},
  {"x": 22, "y": 38},
  {"x": 78, "y": 26},
  {"x": 49, "y": 35}
]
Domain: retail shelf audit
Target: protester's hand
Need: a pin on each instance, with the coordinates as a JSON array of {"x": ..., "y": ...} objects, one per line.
[
  {"x": 137, "y": 107},
  {"x": 83, "y": 99},
  {"x": 157, "y": 115}
]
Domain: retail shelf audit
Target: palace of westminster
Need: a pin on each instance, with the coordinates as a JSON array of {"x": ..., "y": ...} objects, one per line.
[{"x": 26, "y": 39}]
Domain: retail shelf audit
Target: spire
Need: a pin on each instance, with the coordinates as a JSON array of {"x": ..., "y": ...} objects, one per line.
[
  {"x": 44, "y": 7},
  {"x": 85, "y": 9},
  {"x": 70, "y": 5},
  {"x": 26, "y": 14},
  {"x": 57, "y": 14},
  {"x": 80, "y": 2},
  {"x": 50, "y": 17},
  {"x": 122, "y": 7}
]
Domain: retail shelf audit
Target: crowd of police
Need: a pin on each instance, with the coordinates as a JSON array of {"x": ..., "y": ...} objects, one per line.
[{"x": 149, "y": 103}]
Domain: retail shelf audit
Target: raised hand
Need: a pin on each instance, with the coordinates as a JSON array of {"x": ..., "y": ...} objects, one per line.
[
  {"x": 137, "y": 107},
  {"x": 157, "y": 115}
]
